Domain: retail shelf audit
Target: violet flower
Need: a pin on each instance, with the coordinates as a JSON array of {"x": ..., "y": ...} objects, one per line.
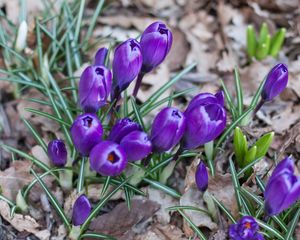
[
  {"x": 201, "y": 177},
  {"x": 100, "y": 56},
  {"x": 136, "y": 145},
  {"x": 57, "y": 152},
  {"x": 81, "y": 210},
  {"x": 122, "y": 127},
  {"x": 86, "y": 132},
  {"x": 206, "y": 120},
  {"x": 94, "y": 88},
  {"x": 167, "y": 129},
  {"x": 108, "y": 158},
  {"x": 245, "y": 229},
  {"x": 283, "y": 188},
  {"x": 276, "y": 82},
  {"x": 156, "y": 42},
  {"x": 126, "y": 64}
]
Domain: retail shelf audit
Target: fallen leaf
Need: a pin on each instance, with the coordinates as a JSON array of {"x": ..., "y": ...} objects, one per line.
[
  {"x": 23, "y": 222},
  {"x": 14, "y": 178},
  {"x": 121, "y": 221},
  {"x": 162, "y": 232}
]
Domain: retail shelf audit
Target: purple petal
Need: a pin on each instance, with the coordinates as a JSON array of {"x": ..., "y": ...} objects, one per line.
[{"x": 81, "y": 210}]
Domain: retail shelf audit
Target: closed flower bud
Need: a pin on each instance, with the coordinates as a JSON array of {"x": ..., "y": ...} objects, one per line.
[
  {"x": 167, "y": 129},
  {"x": 122, "y": 127},
  {"x": 100, "y": 57},
  {"x": 205, "y": 98},
  {"x": 94, "y": 88},
  {"x": 201, "y": 177},
  {"x": 283, "y": 188},
  {"x": 86, "y": 132},
  {"x": 127, "y": 63},
  {"x": 57, "y": 153},
  {"x": 108, "y": 158},
  {"x": 245, "y": 229},
  {"x": 136, "y": 145},
  {"x": 81, "y": 210},
  {"x": 204, "y": 124},
  {"x": 276, "y": 82},
  {"x": 156, "y": 42}
]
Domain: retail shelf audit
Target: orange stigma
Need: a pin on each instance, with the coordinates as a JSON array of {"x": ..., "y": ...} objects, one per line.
[
  {"x": 111, "y": 157},
  {"x": 248, "y": 225}
]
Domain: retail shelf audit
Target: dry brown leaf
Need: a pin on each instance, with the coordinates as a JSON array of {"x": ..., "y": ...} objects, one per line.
[
  {"x": 39, "y": 153},
  {"x": 94, "y": 191},
  {"x": 222, "y": 188},
  {"x": 23, "y": 222},
  {"x": 162, "y": 232},
  {"x": 193, "y": 197},
  {"x": 165, "y": 201},
  {"x": 120, "y": 221},
  {"x": 15, "y": 177},
  {"x": 69, "y": 203}
]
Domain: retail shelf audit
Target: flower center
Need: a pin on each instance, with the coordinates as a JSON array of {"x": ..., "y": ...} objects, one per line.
[
  {"x": 176, "y": 114},
  {"x": 87, "y": 122},
  {"x": 248, "y": 225},
  {"x": 113, "y": 157},
  {"x": 162, "y": 29},
  {"x": 99, "y": 71},
  {"x": 133, "y": 45}
]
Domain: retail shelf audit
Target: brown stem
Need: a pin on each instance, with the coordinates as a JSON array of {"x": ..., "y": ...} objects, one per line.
[{"x": 138, "y": 84}]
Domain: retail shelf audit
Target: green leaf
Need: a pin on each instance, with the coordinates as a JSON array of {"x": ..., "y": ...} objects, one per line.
[
  {"x": 240, "y": 145},
  {"x": 270, "y": 229},
  {"x": 176, "y": 208},
  {"x": 276, "y": 42},
  {"x": 239, "y": 91},
  {"x": 292, "y": 226},
  {"x": 263, "y": 144},
  {"x": 97, "y": 235},
  {"x": 251, "y": 41},
  {"x": 53, "y": 201},
  {"x": 224, "y": 209},
  {"x": 250, "y": 156},
  {"x": 263, "y": 48},
  {"x": 264, "y": 32},
  {"x": 229, "y": 100},
  {"x": 236, "y": 185},
  {"x": 193, "y": 226},
  {"x": 163, "y": 188},
  {"x": 80, "y": 182},
  {"x": 137, "y": 113}
]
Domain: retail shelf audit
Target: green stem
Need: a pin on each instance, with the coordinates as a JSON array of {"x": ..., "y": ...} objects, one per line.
[{"x": 209, "y": 153}]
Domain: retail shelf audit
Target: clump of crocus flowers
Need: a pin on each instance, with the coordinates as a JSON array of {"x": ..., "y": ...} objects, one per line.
[{"x": 110, "y": 146}]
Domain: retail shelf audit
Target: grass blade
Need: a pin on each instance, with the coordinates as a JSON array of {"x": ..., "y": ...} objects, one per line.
[
  {"x": 239, "y": 91},
  {"x": 163, "y": 188}
]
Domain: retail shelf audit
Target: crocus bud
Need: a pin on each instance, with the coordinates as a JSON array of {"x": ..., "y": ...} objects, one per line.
[
  {"x": 57, "y": 153},
  {"x": 282, "y": 181},
  {"x": 204, "y": 124},
  {"x": 86, "y": 132},
  {"x": 245, "y": 229},
  {"x": 108, "y": 158},
  {"x": 276, "y": 82},
  {"x": 156, "y": 42},
  {"x": 20, "y": 43},
  {"x": 122, "y": 127},
  {"x": 167, "y": 129},
  {"x": 81, "y": 210},
  {"x": 205, "y": 98},
  {"x": 100, "y": 57},
  {"x": 127, "y": 63},
  {"x": 201, "y": 177},
  {"x": 94, "y": 88},
  {"x": 136, "y": 145}
]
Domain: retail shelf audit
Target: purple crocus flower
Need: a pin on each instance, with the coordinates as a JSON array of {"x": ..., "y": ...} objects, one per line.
[
  {"x": 57, "y": 152},
  {"x": 245, "y": 229},
  {"x": 108, "y": 158},
  {"x": 100, "y": 56},
  {"x": 167, "y": 129},
  {"x": 206, "y": 119},
  {"x": 127, "y": 64},
  {"x": 205, "y": 98},
  {"x": 86, "y": 132},
  {"x": 276, "y": 82},
  {"x": 122, "y": 127},
  {"x": 136, "y": 145},
  {"x": 81, "y": 210},
  {"x": 94, "y": 88},
  {"x": 282, "y": 181},
  {"x": 156, "y": 42},
  {"x": 201, "y": 177}
]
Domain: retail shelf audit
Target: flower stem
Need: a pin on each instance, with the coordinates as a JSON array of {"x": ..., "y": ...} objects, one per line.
[
  {"x": 209, "y": 152},
  {"x": 138, "y": 84},
  {"x": 259, "y": 105},
  {"x": 177, "y": 154}
]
